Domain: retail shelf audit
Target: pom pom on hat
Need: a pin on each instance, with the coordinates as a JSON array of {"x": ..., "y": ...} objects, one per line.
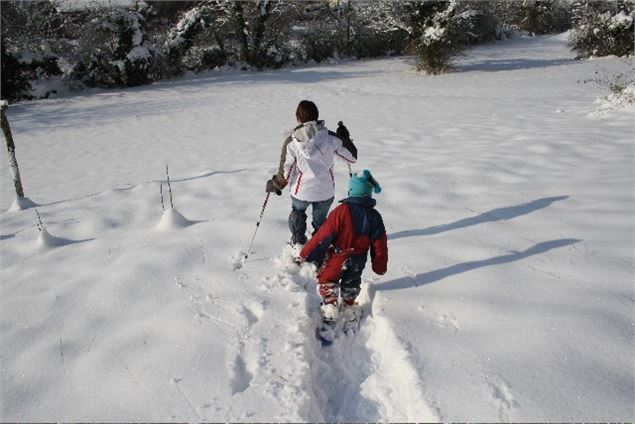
[{"x": 363, "y": 185}]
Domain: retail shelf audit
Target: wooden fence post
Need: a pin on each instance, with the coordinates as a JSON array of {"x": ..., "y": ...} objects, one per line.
[{"x": 15, "y": 171}]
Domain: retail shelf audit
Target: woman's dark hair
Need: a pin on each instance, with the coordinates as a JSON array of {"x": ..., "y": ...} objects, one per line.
[{"x": 306, "y": 111}]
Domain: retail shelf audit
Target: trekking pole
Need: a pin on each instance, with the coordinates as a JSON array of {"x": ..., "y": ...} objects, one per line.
[{"x": 264, "y": 205}]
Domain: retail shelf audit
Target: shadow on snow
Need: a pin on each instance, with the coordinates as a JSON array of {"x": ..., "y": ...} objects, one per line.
[
  {"x": 133, "y": 102},
  {"x": 499, "y": 214},
  {"x": 196, "y": 177},
  {"x": 439, "y": 274},
  {"x": 497, "y": 65},
  {"x": 126, "y": 187}
]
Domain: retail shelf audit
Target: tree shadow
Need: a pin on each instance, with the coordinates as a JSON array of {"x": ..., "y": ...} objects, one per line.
[
  {"x": 499, "y": 214},
  {"x": 439, "y": 274},
  {"x": 497, "y": 65},
  {"x": 196, "y": 177},
  {"x": 131, "y": 186},
  {"x": 141, "y": 101}
]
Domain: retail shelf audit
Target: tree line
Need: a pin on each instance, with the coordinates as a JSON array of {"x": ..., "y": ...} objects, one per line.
[{"x": 47, "y": 44}]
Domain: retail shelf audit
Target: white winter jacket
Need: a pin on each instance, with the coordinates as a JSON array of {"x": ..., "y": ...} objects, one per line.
[{"x": 308, "y": 168}]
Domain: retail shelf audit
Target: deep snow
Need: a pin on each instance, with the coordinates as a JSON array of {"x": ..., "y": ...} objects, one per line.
[{"x": 509, "y": 206}]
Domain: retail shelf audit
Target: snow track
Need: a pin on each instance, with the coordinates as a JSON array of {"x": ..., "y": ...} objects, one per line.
[
  {"x": 276, "y": 360},
  {"x": 367, "y": 376},
  {"x": 370, "y": 376}
]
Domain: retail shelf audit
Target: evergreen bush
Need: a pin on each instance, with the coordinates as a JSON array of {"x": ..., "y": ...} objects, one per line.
[
  {"x": 445, "y": 34},
  {"x": 603, "y": 28}
]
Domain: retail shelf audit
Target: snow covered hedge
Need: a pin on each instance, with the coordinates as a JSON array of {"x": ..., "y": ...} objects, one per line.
[
  {"x": 113, "y": 45},
  {"x": 28, "y": 55},
  {"x": 111, "y": 49},
  {"x": 21, "y": 71},
  {"x": 603, "y": 28}
]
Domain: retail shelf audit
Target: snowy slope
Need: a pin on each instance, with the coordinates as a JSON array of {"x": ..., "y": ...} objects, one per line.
[{"x": 509, "y": 295}]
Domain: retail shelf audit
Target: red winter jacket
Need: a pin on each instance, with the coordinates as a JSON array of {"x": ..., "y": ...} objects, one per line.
[{"x": 351, "y": 229}]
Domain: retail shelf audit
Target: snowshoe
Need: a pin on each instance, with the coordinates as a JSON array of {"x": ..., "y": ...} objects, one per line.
[
  {"x": 351, "y": 318},
  {"x": 326, "y": 330}
]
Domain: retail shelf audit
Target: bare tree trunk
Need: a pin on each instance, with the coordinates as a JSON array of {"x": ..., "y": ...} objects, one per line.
[
  {"x": 241, "y": 30},
  {"x": 349, "y": 11},
  {"x": 15, "y": 171},
  {"x": 261, "y": 24}
]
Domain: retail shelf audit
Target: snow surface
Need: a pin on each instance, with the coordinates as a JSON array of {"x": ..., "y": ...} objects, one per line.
[{"x": 509, "y": 295}]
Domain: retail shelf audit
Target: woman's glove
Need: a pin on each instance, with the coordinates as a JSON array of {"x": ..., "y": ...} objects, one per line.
[{"x": 274, "y": 186}]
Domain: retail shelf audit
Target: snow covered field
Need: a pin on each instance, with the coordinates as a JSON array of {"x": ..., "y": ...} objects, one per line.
[{"x": 509, "y": 295}]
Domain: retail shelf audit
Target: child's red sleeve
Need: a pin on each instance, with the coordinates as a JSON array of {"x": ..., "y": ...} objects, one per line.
[
  {"x": 315, "y": 249},
  {"x": 379, "y": 254}
]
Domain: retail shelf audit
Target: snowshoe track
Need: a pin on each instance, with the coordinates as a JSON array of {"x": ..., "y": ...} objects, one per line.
[{"x": 366, "y": 375}]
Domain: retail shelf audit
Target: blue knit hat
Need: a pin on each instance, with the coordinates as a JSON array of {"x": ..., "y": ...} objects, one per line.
[{"x": 363, "y": 185}]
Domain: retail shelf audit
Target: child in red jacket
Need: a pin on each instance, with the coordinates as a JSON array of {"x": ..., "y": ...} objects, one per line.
[{"x": 342, "y": 243}]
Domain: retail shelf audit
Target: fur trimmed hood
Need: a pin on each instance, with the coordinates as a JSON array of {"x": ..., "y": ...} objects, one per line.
[{"x": 305, "y": 132}]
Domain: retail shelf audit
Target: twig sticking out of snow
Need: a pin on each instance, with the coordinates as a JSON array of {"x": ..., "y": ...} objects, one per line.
[
  {"x": 40, "y": 226},
  {"x": 161, "y": 191},
  {"x": 169, "y": 186}
]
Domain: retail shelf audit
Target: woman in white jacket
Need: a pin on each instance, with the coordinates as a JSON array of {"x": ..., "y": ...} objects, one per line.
[{"x": 306, "y": 166}]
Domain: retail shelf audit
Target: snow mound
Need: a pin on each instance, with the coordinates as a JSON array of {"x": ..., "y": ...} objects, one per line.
[
  {"x": 21, "y": 203},
  {"x": 172, "y": 219},
  {"x": 46, "y": 241}
]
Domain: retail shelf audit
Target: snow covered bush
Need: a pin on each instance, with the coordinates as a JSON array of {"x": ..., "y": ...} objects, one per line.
[
  {"x": 380, "y": 28},
  {"x": 183, "y": 35},
  {"x": 315, "y": 35},
  {"x": 358, "y": 29},
  {"x": 603, "y": 28},
  {"x": 112, "y": 50},
  {"x": 215, "y": 32},
  {"x": 444, "y": 35},
  {"x": 20, "y": 72},
  {"x": 198, "y": 59},
  {"x": 485, "y": 26},
  {"x": 532, "y": 16},
  {"x": 622, "y": 99},
  {"x": 316, "y": 44},
  {"x": 261, "y": 31},
  {"x": 28, "y": 53},
  {"x": 620, "y": 87},
  {"x": 543, "y": 16},
  {"x": 368, "y": 43}
]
